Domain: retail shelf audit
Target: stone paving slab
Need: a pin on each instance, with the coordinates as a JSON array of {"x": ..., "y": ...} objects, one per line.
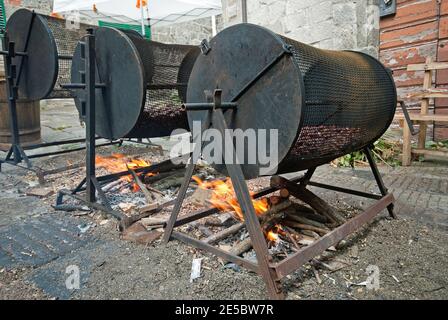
[
  {"x": 52, "y": 277},
  {"x": 420, "y": 191},
  {"x": 36, "y": 241}
]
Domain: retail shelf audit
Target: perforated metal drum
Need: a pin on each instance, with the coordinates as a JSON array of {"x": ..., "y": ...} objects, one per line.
[
  {"x": 145, "y": 85},
  {"x": 323, "y": 103}
]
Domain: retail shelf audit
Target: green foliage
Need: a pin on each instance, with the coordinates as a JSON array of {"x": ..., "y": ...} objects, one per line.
[
  {"x": 441, "y": 145},
  {"x": 385, "y": 151}
]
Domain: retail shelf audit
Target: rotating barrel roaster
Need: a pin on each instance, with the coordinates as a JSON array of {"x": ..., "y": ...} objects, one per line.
[
  {"x": 126, "y": 87},
  {"x": 38, "y": 58},
  {"x": 145, "y": 84},
  {"x": 324, "y": 104}
]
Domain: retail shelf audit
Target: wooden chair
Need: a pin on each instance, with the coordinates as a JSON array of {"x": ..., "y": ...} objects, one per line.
[{"x": 424, "y": 118}]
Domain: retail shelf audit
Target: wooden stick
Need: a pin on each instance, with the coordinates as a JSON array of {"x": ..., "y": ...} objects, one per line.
[
  {"x": 306, "y": 221},
  {"x": 171, "y": 181},
  {"x": 149, "y": 208},
  {"x": 274, "y": 210},
  {"x": 301, "y": 210},
  {"x": 310, "y": 233},
  {"x": 301, "y": 193},
  {"x": 242, "y": 247},
  {"x": 293, "y": 232},
  {"x": 306, "y": 227},
  {"x": 291, "y": 238},
  {"x": 224, "y": 233},
  {"x": 284, "y": 193},
  {"x": 111, "y": 185},
  {"x": 154, "y": 221},
  {"x": 148, "y": 196},
  {"x": 149, "y": 179},
  {"x": 155, "y": 190}
]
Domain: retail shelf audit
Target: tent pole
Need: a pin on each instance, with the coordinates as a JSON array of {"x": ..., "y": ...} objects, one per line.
[
  {"x": 143, "y": 19},
  {"x": 214, "y": 27}
]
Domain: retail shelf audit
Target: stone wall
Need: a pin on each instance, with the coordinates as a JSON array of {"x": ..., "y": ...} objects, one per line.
[
  {"x": 40, "y": 6},
  {"x": 189, "y": 32},
  {"x": 327, "y": 24}
]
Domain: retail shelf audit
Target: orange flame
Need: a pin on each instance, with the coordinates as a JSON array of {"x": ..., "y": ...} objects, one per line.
[
  {"x": 118, "y": 163},
  {"x": 274, "y": 234},
  {"x": 223, "y": 197}
]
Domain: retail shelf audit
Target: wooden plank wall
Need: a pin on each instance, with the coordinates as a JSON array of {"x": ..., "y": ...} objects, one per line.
[{"x": 418, "y": 30}]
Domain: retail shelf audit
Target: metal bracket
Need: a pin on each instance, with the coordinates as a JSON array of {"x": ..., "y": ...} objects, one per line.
[{"x": 205, "y": 47}]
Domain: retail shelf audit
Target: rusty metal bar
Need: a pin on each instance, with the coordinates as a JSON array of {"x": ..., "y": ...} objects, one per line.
[
  {"x": 250, "y": 217},
  {"x": 295, "y": 261},
  {"x": 220, "y": 253}
]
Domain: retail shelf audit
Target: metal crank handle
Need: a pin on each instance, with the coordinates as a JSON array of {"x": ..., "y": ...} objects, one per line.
[{"x": 408, "y": 119}]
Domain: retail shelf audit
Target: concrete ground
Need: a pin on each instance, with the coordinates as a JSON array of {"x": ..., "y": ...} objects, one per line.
[{"x": 40, "y": 248}]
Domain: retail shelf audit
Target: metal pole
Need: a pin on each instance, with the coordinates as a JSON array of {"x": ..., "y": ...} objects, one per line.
[
  {"x": 90, "y": 121},
  {"x": 143, "y": 19},
  {"x": 379, "y": 179},
  {"x": 244, "y": 11},
  {"x": 214, "y": 28},
  {"x": 12, "y": 97}
]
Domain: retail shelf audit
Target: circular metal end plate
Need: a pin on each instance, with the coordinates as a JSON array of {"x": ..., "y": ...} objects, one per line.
[
  {"x": 274, "y": 102},
  {"x": 40, "y": 67},
  {"x": 119, "y": 105}
]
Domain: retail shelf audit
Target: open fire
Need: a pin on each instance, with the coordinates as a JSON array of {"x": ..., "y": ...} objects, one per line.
[
  {"x": 118, "y": 162},
  {"x": 223, "y": 198}
]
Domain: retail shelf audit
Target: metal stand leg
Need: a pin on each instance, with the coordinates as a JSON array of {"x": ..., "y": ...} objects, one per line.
[
  {"x": 379, "y": 179},
  {"x": 180, "y": 200},
  {"x": 245, "y": 200}
]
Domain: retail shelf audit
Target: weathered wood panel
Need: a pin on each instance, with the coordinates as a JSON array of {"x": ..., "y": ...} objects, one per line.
[{"x": 417, "y": 31}]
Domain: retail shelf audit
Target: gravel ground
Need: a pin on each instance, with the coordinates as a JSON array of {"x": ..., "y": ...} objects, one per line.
[{"x": 411, "y": 259}]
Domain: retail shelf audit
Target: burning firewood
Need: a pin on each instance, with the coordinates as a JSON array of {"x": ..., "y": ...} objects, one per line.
[
  {"x": 274, "y": 214},
  {"x": 148, "y": 196}
]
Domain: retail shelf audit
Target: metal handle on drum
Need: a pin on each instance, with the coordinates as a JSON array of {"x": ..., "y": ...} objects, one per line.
[{"x": 408, "y": 119}]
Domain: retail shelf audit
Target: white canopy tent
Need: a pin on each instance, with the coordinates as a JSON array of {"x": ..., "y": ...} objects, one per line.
[{"x": 158, "y": 12}]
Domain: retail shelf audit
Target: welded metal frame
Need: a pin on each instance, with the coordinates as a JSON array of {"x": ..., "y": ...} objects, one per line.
[
  {"x": 272, "y": 272},
  {"x": 17, "y": 153},
  {"x": 91, "y": 184}
]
